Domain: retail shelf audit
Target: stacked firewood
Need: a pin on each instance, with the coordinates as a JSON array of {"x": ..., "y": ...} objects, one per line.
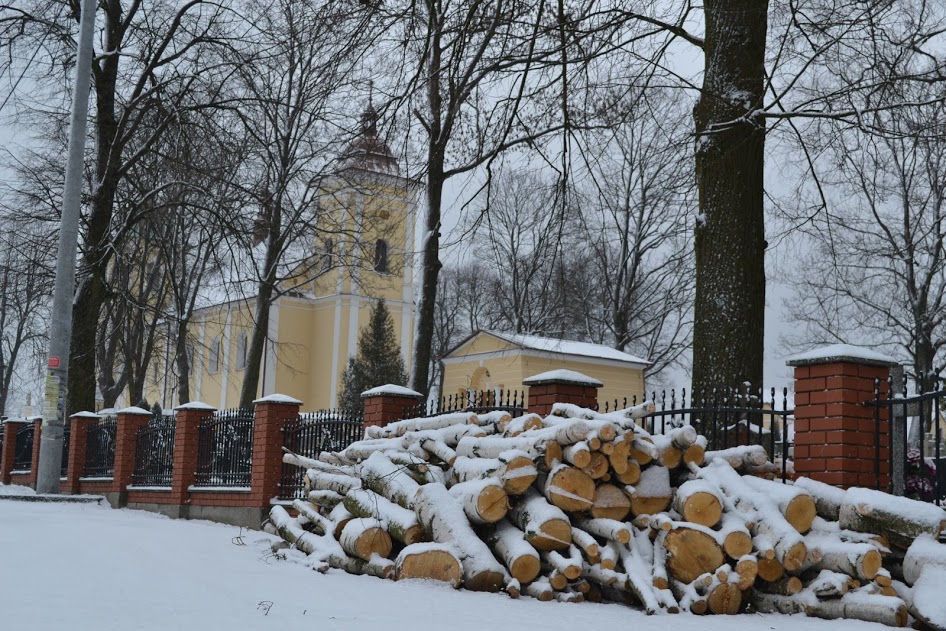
[{"x": 588, "y": 506}]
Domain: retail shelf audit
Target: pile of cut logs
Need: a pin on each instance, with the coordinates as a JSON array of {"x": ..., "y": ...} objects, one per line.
[{"x": 582, "y": 505}]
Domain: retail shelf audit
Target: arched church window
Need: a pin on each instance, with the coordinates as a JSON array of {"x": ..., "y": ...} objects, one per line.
[{"x": 381, "y": 256}]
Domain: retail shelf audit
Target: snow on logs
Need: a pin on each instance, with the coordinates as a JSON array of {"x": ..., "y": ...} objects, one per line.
[{"x": 588, "y": 506}]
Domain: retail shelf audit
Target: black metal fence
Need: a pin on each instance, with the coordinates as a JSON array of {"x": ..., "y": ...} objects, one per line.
[
  {"x": 916, "y": 436},
  {"x": 309, "y": 435},
  {"x": 513, "y": 401},
  {"x": 100, "y": 449},
  {"x": 66, "y": 437},
  {"x": 225, "y": 449},
  {"x": 154, "y": 452},
  {"x": 23, "y": 452},
  {"x": 727, "y": 417}
]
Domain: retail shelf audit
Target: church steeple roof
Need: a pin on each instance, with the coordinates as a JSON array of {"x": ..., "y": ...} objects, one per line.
[{"x": 368, "y": 151}]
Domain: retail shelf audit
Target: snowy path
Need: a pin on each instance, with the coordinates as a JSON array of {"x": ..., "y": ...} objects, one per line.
[{"x": 122, "y": 570}]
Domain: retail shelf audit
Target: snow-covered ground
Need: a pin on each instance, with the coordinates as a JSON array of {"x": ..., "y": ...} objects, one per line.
[{"x": 78, "y": 567}]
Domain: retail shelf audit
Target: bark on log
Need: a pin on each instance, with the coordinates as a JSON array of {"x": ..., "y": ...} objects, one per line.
[
  {"x": 385, "y": 478},
  {"x": 860, "y": 560},
  {"x": 401, "y": 523},
  {"x": 796, "y": 504},
  {"x": 514, "y": 551},
  {"x": 321, "y": 481},
  {"x": 889, "y": 611},
  {"x": 898, "y": 519},
  {"x": 605, "y": 528},
  {"x": 325, "y": 499},
  {"x": 738, "y": 457},
  {"x": 925, "y": 550},
  {"x": 443, "y": 517},
  {"x": 545, "y": 526}
]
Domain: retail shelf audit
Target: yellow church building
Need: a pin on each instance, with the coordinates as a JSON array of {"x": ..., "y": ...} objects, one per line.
[{"x": 363, "y": 254}]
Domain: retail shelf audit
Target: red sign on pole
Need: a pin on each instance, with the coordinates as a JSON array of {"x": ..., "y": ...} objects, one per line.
[{"x": 54, "y": 362}]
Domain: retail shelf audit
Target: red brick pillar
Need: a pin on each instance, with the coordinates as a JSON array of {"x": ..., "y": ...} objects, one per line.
[
  {"x": 561, "y": 386},
  {"x": 37, "y": 437},
  {"x": 272, "y": 414},
  {"x": 78, "y": 435},
  {"x": 188, "y": 417},
  {"x": 838, "y": 439},
  {"x": 129, "y": 421},
  {"x": 388, "y": 403},
  {"x": 10, "y": 428}
]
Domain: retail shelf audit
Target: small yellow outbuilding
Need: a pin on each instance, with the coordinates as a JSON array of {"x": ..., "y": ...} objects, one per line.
[{"x": 490, "y": 360}]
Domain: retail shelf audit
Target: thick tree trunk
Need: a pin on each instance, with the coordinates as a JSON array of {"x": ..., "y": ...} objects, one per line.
[
  {"x": 730, "y": 237},
  {"x": 254, "y": 356},
  {"x": 183, "y": 363},
  {"x": 430, "y": 271},
  {"x": 90, "y": 296}
]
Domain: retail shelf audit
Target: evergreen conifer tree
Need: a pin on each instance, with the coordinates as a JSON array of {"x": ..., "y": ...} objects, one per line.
[{"x": 378, "y": 361}]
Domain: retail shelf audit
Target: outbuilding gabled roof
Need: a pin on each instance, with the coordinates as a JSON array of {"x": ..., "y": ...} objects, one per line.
[{"x": 557, "y": 346}]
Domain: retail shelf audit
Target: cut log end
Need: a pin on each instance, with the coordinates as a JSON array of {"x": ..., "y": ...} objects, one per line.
[
  {"x": 525, "y": 568},
  {"x": 553, "y": 534},
  {"x": 486, "y": 581},
  {"x": 703, "y": 508},
  {"x": 870, "y": 565},
  {"x": 691, "y": 553},
  {"x": 725, "y": 599},
  {"x": 801, "y": 512},
  {"x": 737, "y": 544},
  {"x": 795, "y": 557},
  {"x": 429, "y": 564},
  {"x": 492, "y": 504}
]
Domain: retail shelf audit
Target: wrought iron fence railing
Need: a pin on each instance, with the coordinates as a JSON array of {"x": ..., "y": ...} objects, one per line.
[
  {"x": 100, "y": 449},
  {"x": 727, "y": 417},
  {"x": 514, "y": 402},
  {"x": 23, "y": 452},
  {"x": 911, "y": 426},
  {"x": 225, "y": 449},
  {"x": 309, "y": 435},
  {"x": 154, "y": 452}
]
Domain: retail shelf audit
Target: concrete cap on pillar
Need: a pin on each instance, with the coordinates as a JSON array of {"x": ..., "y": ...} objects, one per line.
[
  {"x": 842, "y": 353},
  {"x": 562, "y": 376},
  {"x": 134, "y": 411},
  {"x": 282, "y": 399},
  {"x": 391, "y": 390},
  {"x": 196, "y": 405}
]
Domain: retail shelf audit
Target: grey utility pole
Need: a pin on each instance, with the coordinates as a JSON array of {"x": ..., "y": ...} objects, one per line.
[{"x": 60, "y": 331}]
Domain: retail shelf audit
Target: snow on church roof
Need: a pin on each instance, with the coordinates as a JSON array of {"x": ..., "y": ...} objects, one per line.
[{"x": 564, "y": 347}]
